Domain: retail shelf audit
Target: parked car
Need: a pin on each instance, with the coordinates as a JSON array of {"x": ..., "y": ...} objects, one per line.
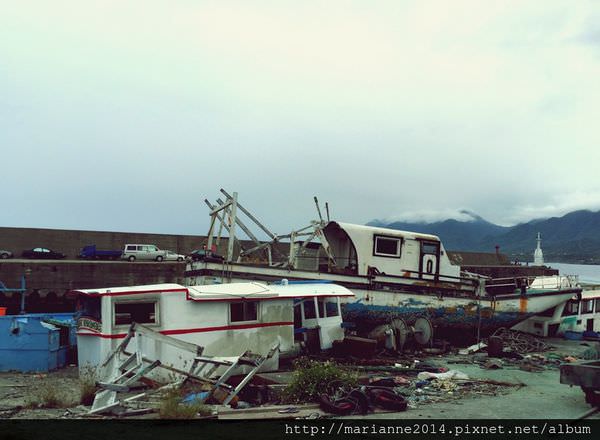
[
  {"x": 174, "y": 256},
  {"x": 5, "y": 254},
  {"x": 42, "y": 253},
  {"x": 134, "y": 252},
  {"x": 204, "y": 255}
]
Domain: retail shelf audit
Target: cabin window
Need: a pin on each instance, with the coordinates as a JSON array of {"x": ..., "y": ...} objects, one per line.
[
  {"x": 88, "y": 307},
  {"x": 571, "y": 308},
  {"x": 430, "y": 248},
  {"x": 309, "y": 309},
  {"x": 387, "y": 246},
  {"x": 327, "y": 308},
  {"x": 587, "y": 306},
  {"x": 244, "y": 311},
  {"x": 331, "y": 308},
  {"x": 598, "y": 305},
  {"x": 139, "y": 312},
  {"x": 321, "y": 307}
]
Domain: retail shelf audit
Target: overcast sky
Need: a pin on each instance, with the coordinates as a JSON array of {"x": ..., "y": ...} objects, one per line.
[{"x": 124, "y": 115}]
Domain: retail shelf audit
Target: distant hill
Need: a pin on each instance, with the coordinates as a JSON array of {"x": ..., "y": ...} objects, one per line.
[
  {"x": 455, "y": 234},
  {"x": 572, "y": 238}
]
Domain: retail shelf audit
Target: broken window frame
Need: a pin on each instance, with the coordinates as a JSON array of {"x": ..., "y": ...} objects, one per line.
[
  {"x": 245, "y": 305},
  {"x": 153, "y": 301},
  {"x": 377, "y": 253}
]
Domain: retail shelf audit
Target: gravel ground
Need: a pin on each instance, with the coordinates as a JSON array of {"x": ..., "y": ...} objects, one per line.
[{"x": 22, "y": 396}]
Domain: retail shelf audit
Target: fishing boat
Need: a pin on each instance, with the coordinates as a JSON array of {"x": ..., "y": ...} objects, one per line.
[
  {"x": 575, "y": 317},
  {"x": 396, "y": 276}
]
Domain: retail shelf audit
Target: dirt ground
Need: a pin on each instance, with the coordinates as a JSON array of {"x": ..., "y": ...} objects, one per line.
[
  {"x": 541, "y": 396},
  {"x": 22, "y": 393}
]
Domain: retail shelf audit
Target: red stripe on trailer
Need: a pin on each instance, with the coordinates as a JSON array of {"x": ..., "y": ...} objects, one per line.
[{"x": 196, "y": 330}]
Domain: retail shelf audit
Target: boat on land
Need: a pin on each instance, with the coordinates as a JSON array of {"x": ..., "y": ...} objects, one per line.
[
  {"x": 226, "y": 320},
  {"x": 397, "y": 277},
  {"x": 578, "y": 316}
]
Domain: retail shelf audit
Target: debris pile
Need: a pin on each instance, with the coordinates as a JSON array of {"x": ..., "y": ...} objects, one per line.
[
  {"x": 518, "y": 342},
  {"x": 205, "y": 380}
]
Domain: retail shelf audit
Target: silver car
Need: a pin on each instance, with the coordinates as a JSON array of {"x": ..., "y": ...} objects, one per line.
[
  {"x": 134, "y": 252},
  {"x": 5, "y": 254},
  {"x": 174, "y": 256}
]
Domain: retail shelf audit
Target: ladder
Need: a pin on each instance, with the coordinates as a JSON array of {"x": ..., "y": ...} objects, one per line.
[{"x": 207, "y": 367}]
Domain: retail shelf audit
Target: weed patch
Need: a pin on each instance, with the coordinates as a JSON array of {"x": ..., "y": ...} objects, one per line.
[
  {"x": 48, "y": 396},
  {"x": 172, "y": 408},
  {"x": 312, "y": 378}
]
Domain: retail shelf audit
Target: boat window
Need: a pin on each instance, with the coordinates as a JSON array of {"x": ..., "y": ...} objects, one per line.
[
  {"x": 598, "y": 305},
  {"x": 331, "y": 307},
  {"x": 571, "y": 308},
  {"x": 430, "y": 248},
  {"x": 321, "y": 307},
  {"x": 88, "y": 307},
  {"x": 244, "y": 311},
  {"x": 587, "y": 306},
  {"x": 327, "y": 307},
  {"x": 139, "y": 312},
  {"x": 387, "y": 246},
  {"x": 309, "y": 309}
]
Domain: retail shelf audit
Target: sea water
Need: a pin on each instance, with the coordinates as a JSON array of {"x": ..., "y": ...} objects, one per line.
[{"x": 588, "y": 273}]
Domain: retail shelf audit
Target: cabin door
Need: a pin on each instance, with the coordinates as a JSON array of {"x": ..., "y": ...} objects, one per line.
[{"x": 429, "y": 267}]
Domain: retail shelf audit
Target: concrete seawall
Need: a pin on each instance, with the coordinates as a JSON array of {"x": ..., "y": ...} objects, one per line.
[
  {"x": 70, "y": 242},
  {"x": 47, "y": 281}
]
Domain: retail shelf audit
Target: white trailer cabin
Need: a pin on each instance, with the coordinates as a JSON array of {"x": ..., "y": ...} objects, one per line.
[{"x": 226, "y": 319}]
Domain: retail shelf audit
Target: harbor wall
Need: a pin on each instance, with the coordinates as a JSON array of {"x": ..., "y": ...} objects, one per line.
[{"x": 70, "y": 242}]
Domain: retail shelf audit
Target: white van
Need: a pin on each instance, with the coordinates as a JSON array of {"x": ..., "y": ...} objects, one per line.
[{"x": 134, "y": 252}]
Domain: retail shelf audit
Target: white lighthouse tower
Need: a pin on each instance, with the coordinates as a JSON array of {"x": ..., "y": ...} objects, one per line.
[{"x": 538, "y": 256}]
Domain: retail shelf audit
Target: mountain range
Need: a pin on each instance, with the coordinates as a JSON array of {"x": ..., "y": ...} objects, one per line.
[{"x": 572, "y": 238}]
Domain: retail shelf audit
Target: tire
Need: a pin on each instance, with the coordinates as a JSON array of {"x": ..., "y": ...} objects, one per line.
[
  {"x": 131, "y": 258},
  {"x": 159, "y": 258},
  {"x": 180, "y": 259},
  {"x": 4, "y": 256},
  {"x": 387, "y": 399},
  {"x": 340, "y": 407}
]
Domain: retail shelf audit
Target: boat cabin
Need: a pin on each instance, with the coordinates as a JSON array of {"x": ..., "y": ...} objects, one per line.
[
  {"x": 365, "y": 250},
  {"x": 225, "y": 319}
]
